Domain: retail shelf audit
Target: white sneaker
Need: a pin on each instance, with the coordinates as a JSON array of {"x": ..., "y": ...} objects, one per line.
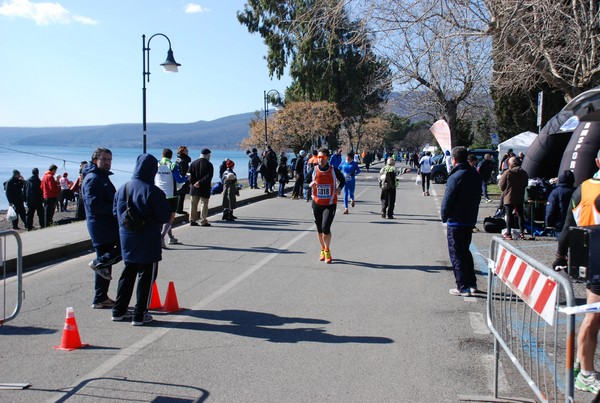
[
  {"x": 173, "y": 241},
  {"x": 458, "y": 293}
]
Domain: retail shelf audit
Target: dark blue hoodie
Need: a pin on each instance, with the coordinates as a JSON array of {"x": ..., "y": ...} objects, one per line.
[
  {"x": 149, "y": 202},
  {"x": 98, "y": 194},
  {"x": 559, "y": 199}
]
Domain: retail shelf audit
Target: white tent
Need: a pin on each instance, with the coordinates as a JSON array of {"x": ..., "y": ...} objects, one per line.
[{"x": 518, "y": 143}]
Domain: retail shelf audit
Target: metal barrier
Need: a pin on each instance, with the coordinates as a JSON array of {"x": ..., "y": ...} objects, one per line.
[
  {"x": 522, "y": 314},
  {"x": 5, "y": 242}
]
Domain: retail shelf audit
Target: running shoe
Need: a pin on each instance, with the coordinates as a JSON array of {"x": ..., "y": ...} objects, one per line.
[
  {"x": 327, "y": 256},
  {"x": 322, "y": 256},
  {"x": 589, "y": 383},
  {"x": 122, "y": 318},
  {"x": 458, "y": 293},
  {"x": 352, "y": 203},
  {"x": 108, "y": 303},
  {"x": 345, "y": 211},
  {"x": 507, "y": 236},
  {"x": 141, "y": 320},
  {"x": 173, "y": 241},
  {"x": 103, "y": 272}
]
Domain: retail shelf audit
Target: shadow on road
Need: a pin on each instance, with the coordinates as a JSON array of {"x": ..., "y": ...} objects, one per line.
[
  {"x": 257, "y": 325},
  {"x": 371, "y": 265}
]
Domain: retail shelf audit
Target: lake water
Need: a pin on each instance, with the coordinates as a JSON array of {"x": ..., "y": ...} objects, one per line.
[{"x": 67, "y": 159}]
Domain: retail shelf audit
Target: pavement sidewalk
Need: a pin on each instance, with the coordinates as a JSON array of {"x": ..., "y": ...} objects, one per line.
[{"x": 60, "y": 241}]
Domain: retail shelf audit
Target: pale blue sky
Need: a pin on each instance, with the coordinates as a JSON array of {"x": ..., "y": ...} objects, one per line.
[{"x": 79, "y": 62}]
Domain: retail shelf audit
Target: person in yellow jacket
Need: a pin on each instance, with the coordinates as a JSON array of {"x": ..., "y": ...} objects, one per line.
[{"x": 585, "y": 211}]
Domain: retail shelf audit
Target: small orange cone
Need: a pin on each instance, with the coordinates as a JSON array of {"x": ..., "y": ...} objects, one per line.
[
  {"x": 70, "y": 337},
  {"x": 155, "y": 298},
  {"x": 171, "y": 304}
]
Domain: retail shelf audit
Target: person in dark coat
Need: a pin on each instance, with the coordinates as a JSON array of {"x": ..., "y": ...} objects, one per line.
[
  {"x": 460, "y": 207},
  {"x": 201, "y": 172},
  {"x": 142, "y": 249},
  {"x": 32, "y": 191},
  {"x": 14, "y": 195},
  {"x": 98, "y": 194},
  {"x": 270, "y": 163},
  {"x": 297, "y": 193},
  {"x": 183, "y": 163},
  {"x": 559, "y": 201},
  {"x": 485, "y": 169},
  {"x": 513, "y": 183}
]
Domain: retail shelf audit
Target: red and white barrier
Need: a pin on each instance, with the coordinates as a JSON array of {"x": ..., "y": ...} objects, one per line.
[{"x": 537, "y": 290}]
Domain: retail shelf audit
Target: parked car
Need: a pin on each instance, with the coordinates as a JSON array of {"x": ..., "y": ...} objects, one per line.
[{"x": 439, "y": 174}]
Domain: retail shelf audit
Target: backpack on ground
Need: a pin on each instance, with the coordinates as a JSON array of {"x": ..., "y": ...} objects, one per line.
[{"x": 493, "y": 225}]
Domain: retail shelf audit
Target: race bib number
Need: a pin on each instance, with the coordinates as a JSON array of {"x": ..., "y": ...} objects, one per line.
[{"x": 323, "y": 191}]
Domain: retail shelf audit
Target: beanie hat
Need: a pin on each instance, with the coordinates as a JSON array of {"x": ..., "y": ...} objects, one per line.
[
  {"x": 229, "y": 163},
  {"x": 205, "y": 151},
  {"x": 302, "y": 153}
]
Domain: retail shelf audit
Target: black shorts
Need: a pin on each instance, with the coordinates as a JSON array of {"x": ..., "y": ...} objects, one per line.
[
  {"x": 323, "y": 217},
  {"x": 593, "y": 287},
  {"x": 173, "y": 204}
]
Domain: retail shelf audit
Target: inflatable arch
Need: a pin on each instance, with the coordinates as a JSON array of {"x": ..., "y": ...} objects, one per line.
[{"x": 570, "y": 140}]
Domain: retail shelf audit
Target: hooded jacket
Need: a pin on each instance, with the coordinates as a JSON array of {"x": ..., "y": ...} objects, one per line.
[
  {"x": 149, "y": 202},
  {"x": 460, "y": 205},
  {"x": 32, "y": 191},
  {"x": 98, "y": 193},
  {"x": 513, "y": 183},
  {"x": 559, "y": 199}
]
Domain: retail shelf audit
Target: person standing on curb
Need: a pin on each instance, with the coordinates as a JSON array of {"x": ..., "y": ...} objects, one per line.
[
  {"x": 297, "y": 193},
  {"x": 459, "y": 210},
  {"x": 485, "y": 169},
  {"x": 321, "y": 181},
  {"x": 33, "y": 198},
  {"x": 98, "y": 194},
  {"x": 201, "y": 173},
  {"x": 349, "y": 169},
  {"x": 183, "y": 163},
  {"x": 141, "y": 245},
  {"x": 14, "y": 195},
  {"x": 230, "y": 191},
  {"x": 50, "y": 191},
  {"x": 584, "y": 211},
  {"x": 388, "y": 183},
  {"x": 166, "y": 179}
]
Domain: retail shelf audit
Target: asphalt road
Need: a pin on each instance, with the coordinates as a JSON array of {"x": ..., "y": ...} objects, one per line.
[{"x": 265, "y": 321}]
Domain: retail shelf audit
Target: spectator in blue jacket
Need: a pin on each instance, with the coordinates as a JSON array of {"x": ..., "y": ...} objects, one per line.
[
  {"x": 142, "y": 249},
  {"x": 559, "y": 200},
  {"x": 98, "y": 194},
  {"x": 460, "y": 207}
]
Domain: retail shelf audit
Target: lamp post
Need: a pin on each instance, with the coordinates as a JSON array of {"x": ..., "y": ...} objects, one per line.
[
  {"x": 278, "y": 103},
  {"x": 170, "y": 65}
]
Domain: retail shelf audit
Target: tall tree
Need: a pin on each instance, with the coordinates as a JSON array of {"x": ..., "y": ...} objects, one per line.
[{"x": 328, "y": 54}]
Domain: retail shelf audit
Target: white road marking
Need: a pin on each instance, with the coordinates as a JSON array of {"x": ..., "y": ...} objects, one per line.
[{"x": 478, "y": 323}]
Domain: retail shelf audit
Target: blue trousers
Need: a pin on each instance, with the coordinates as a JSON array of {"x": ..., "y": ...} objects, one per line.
[
  {"x": 349, "y": 191},
  {"x": 253, "y": 177},
  {"x": 459, "y": 239}
]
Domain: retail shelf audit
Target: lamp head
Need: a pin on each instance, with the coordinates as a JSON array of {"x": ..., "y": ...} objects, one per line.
[{"x": 170, "y": 65}]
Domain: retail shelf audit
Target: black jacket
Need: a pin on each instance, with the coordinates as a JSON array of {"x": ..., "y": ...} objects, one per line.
[
  {"x": 14, "y": 191},
  {"x": 32, "y": 191},
  {"x": 201, "y": 171}
]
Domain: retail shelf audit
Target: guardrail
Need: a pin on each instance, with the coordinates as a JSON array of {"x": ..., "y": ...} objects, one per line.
[
  {"x": 6, "y": 243},
  {"x": 522, "y": 314}
]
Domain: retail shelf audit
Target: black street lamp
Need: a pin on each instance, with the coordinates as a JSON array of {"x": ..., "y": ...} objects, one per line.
[
  {"x": 170, "y": 65},
  {"x": 277, "y": 103}
]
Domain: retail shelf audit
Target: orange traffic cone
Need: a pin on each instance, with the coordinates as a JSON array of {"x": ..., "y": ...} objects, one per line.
[
  {"x": 155, "y": 298},
  {"x": 171, "y": 304},
  {"x": 70, "y": 337}
]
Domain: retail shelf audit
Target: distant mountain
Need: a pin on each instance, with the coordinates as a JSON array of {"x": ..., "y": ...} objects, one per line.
[{"x": 222, "y": 134}]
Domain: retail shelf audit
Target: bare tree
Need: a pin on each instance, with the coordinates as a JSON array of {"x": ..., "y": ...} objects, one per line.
[{"x": 429, "y": 53}]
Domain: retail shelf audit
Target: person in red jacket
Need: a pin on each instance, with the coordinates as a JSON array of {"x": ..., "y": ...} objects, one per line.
[{"x": 50, "y": 192}]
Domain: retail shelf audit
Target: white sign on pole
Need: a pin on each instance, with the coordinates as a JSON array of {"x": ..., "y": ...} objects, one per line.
[
  {"x": 495, "y": 139},
  {"x": 540, "y": 107}
]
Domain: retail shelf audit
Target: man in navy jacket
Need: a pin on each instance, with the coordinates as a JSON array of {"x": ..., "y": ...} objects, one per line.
[
  {"x": 460, "y": 207},
  {"x": 141, "y": 248}
]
